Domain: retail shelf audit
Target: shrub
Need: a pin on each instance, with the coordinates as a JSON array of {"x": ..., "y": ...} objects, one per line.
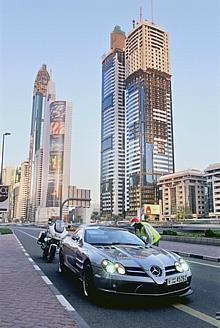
[
  {"x": 211, "y": 233},
  {"x": 170, "y": 232},
  {"x": 4, "y": 231}
]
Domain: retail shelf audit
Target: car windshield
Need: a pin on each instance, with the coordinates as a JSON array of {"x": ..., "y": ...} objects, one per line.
[{"x": 101, "y": 236}]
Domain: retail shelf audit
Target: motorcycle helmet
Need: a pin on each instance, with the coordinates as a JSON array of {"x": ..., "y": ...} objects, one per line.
[{"x": 134, "y": 220}]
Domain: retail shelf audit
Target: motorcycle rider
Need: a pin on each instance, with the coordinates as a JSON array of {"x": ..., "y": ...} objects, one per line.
[
  {"x": 145, "y": 231},
  {"x": 50, "y": 239}
]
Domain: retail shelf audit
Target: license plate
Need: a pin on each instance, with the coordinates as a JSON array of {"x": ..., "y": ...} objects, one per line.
[{"x": 176, "y": 280}]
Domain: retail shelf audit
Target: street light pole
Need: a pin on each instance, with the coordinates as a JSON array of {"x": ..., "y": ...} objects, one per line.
[{"x": 3, "y": 146}]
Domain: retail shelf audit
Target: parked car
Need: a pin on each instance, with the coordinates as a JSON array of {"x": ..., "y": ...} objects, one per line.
[{"x": 114, "y": 260}]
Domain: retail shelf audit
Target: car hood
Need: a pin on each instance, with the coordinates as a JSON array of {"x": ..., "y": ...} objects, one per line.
[{"x": 137, "y": 256}]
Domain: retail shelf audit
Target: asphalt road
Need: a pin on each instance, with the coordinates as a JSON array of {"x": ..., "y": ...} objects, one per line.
[{"x": 198, "y": 310}]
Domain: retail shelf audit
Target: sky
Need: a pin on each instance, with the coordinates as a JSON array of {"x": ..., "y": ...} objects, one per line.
[{"x": 71, "y": 36}]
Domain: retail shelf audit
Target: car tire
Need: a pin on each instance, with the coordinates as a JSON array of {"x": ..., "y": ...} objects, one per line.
[
  {"x": 62, "y": 269},
  {"x": 88, "y": 288}
]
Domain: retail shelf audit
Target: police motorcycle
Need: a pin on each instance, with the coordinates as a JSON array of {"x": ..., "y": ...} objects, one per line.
[{"x": 50, "y": 240}]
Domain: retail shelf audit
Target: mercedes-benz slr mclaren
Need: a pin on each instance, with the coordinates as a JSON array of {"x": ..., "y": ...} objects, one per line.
[{"x": 114, "y": 260}]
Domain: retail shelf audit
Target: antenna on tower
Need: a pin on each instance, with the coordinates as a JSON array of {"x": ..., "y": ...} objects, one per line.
[
  {"x": 141, "y": 14},
  {"x": 152, "y": 11}
]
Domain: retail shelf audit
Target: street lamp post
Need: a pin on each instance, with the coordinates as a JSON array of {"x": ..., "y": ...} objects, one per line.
[{"x": 3, "y": 145}]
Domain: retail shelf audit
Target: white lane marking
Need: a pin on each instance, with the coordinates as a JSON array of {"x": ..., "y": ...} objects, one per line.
[
  {"x": 197, "y": 314},
  {"x": 47, "y": 280},
  {"x": 65, "y": 303},
  {"x": 26, "y": 254},
  {"x": 210, "y": 265},
  {"x": 36, "y": 267},
  {"x": 30, "y": 259},
  {"x": 27, "y": 234}
]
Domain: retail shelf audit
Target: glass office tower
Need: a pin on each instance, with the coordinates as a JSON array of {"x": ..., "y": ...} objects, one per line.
[
  {"x": 148, "y": 114},
  {"x": 113, "y": 127}
]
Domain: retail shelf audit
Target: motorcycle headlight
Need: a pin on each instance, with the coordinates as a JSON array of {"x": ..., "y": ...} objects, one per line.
[
  {"x": 45, "y": 239},
  {"x": 113, "y": 267},
  {"x": 181, "y": 266}
]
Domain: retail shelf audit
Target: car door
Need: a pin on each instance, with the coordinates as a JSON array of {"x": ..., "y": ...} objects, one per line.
[
  {"x": 80, "y": 252},
  {"x": 71, "y": 247}
]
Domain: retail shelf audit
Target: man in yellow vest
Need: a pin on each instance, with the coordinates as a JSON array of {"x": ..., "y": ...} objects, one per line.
[{"x": 145, "y": 231}]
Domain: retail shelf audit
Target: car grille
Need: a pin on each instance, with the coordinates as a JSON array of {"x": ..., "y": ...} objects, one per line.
[
  {"x": 171, "y": 269},
  {"x": 161, "y": 289},
  {"x": 135, "y": 271},
  {"x": 152, "y": 289}
]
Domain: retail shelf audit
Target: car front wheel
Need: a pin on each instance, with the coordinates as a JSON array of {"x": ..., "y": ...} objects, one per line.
[{"x": 88, "y": 282}]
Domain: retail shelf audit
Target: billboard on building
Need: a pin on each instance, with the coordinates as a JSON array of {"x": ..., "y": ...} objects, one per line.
[
  {"x": 56, "y": 162},
  {"x": 56, "y": 155},
  {"x": 151, "y": 209},
  {"x": 4, "y": 200}
]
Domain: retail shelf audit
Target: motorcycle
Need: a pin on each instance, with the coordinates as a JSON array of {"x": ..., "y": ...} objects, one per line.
[{"x": 50, "y": 240}]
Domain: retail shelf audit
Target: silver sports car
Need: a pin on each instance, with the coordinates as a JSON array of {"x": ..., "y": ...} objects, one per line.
[{"x": 115, "y": 260}]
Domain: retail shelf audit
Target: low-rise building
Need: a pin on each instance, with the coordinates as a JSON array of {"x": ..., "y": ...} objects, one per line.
[{"x": 183, "y": 195}]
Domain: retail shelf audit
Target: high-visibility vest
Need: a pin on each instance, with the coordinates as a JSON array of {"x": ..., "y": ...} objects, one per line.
[{"x": 154, "y": 233}]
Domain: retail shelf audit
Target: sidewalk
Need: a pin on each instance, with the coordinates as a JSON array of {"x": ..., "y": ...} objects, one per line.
[
  {"x": 205, "y": 252},
  {"x": 26, "y": 301}
]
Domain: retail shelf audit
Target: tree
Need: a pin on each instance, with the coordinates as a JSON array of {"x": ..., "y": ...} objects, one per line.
[
  {"x": 95, "y": 216},
  {"x": 183, "y": 213}
]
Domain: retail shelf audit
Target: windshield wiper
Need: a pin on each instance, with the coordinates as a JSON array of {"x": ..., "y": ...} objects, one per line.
[
  {"x": 101, "y": 244},
  {"x": 121, "y": 243}
]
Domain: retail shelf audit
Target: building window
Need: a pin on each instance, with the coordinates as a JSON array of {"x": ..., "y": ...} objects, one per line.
[
  {"x": 107, "y": 102},
  {"x": 107, "y": 144}
]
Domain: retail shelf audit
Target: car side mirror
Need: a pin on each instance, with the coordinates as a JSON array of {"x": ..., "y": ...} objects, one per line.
[
  {"x": 75, "y": 238},
  {"x": 80, "y": 242}
]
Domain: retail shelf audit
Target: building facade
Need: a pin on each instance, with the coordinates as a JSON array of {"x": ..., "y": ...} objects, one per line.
[
  {"x": 148, "y": 114},
  {"x": 212, "y": 174},
  {"x": 35, "y": 146},
  {"x": 20, "y": 192},
  {"x": 183, "y": 195},
  {"x": 8, "y": 177},
  {"x": 112, "y": 177}
]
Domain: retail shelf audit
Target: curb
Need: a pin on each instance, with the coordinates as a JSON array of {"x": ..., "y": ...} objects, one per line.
[
  {"x": 192, "y": 240},
  {"x": 63, "y": 301},
  {"x": 197, "y": 256}
]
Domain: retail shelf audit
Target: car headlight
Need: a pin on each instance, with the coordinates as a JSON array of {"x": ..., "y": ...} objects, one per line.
[
  {"x": 113, "y": 267},
  {"x": 120, "y": 269},
  {"x": 184, "y": 265},
  {"x": 181, "y": 266}
]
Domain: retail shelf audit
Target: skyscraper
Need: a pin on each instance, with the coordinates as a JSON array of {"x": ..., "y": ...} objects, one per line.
[
  {"x": 148, "y": 114},
  {"x": 56, "y": 147},
  {"x": 35, "y": 147},
  {"x": 113, "y": 127}
]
